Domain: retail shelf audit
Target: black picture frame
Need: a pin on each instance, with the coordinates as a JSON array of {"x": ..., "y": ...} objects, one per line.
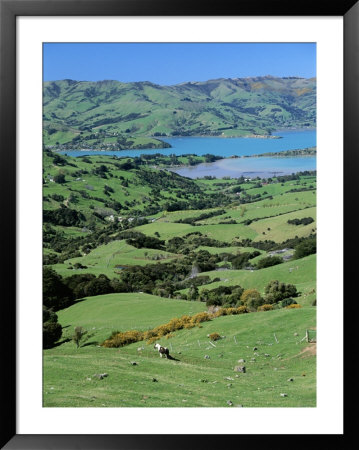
[{"x": 9, "y": 10}]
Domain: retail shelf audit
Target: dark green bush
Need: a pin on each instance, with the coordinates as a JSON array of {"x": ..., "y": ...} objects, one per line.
[
  {"x": 287, "y": 302},
  {"x": 51, "y": 333},
  {"x": 305, "y": 248},
  {"x": 269, "y": 261}
]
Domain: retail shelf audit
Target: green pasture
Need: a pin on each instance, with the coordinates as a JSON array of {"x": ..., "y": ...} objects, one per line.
[
  {"x": 105, "y": 259},
  {"x": 103, "y": 314},
  {"x": 281, "y": 204},
  {"x": 277, "y": 229},
  {"x": 300, "y": 272},
  {"x": 202, "y": 374},
  {"x": 222, "y": 232}
]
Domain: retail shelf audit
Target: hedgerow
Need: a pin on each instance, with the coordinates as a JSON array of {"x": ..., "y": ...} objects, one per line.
[{"x": 120, "y": 339}]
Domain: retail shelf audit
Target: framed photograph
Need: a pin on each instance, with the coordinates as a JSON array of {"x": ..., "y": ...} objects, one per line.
[{"x": 174, "y": 182}]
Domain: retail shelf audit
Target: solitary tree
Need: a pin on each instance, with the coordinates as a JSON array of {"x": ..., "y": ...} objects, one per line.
[
  {"x": 59, "y": 178},
  {"x": 79, "y": 335}
]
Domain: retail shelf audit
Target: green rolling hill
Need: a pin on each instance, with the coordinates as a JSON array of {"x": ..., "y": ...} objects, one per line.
[{"x": 114, "y": 115}]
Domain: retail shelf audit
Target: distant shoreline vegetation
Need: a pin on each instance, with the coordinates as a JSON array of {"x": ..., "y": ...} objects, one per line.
[
  {"x": 190, "y": 160},
  {"x": 147, "y": 143},
  {"x": 159, "y": 160},
  {"x": 142, "y": 143},
  {"x": 310, "y": 151}
]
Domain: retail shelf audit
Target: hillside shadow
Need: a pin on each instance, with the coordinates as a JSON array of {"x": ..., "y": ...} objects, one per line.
[
  {"x": 79, "y": 300},
  {"x": 172, "y": 358},
  {"x": 61, "y": 342},
  {"x": 86, "y": 344}
]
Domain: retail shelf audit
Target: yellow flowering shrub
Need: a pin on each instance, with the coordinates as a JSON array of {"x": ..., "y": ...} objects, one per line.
[
  {"x": 214, "y": 336},
  {"x": 119, "y": 339},
  {"x": 265, "y": 307}
]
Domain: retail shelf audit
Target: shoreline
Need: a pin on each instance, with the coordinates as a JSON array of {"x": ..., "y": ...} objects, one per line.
[
  {"x": 272, "y": 155},
  {"x": 249, "y": 136},
  {"x": 292, "y": 154}
]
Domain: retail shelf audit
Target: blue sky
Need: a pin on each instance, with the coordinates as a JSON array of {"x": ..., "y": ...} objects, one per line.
[{"x": 173, "y": 63}]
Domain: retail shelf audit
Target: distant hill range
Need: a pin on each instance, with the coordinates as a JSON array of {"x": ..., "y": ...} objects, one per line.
[{"x": 114, "y": 115}]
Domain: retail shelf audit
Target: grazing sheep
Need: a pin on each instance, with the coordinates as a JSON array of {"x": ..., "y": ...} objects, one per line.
[{"x": 162, "y": 350}]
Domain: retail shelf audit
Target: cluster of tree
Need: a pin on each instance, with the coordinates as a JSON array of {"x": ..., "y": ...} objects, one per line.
[
  {"x": 57, "y": 159},
  {"x": 269, "y": 261},
  {"x": 292, "y": 177},
  {"x": 56, "y": 294},
  {"x": 269, "y": 245},
  {"x": 176, "y": 205},
  {"x": 228, "y": 222},
  {"x": 167, "y": 181},
  {"x": 100, "y": 171},
  {"x": 59, "y": 292},
  {"x": 276, "y": 293},
  {"x": 227, "y": 296},
  {"x": 57, "y": 197},
  {"x": 310, "y": 188},
  {"x": 87, "y": 285},
  {"x": 71, "y": 247},
  {"x": 305, "y": 248},
  {"x": 59, "y": 178},
  {"x": 203, "y": 261},
  {"x": 192, "y": 220},
  {"x": 208, "y": 158},
  {"x": 292, "y": 153},
  {"x": 248, "y": 198},
  {"x": 64, "y": 216},
  {"x": 108, "y": 190},
  {"x": 143, "y": 241},
  {"x": 165, "y": 278},
  {"x": 192, "y": 241},
  {"x": 157, "y": 279},
  {"x": 49, "y": 259},
  {"x": 97, "y": 140},
  {"x": 236, "y": 189},
  {"x": 239, "y": 261},
  {"x": 303, "y": 221}
]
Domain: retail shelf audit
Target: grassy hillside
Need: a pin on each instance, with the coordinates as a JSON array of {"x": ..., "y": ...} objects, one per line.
[
  {"x": 117, "y": 186},
  {"x": 115, "y": 115},
  {"x": 190, "y": 380},
  {"x": 103, "y": 314},
  {"x": 111, "y": 258},
  {"x": 299, "y": 272},
  {"x": 274, "y": 228},
  {"x": 128, "y": 244}
]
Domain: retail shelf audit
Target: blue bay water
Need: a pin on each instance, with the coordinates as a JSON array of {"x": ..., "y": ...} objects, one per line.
[
  {"x": 227, "y": 147},
  {"x": 263, "y": 167}
]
